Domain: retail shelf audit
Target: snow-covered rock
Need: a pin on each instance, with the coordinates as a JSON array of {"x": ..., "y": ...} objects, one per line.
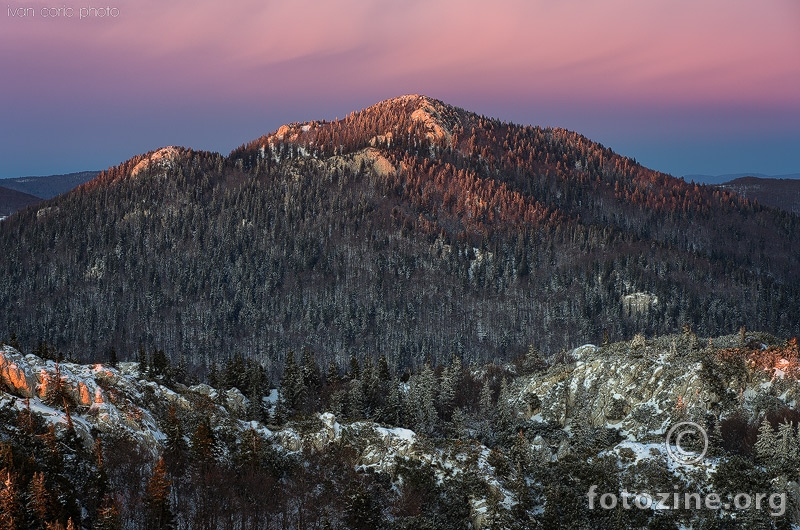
[{"x": 13, "y": 374}]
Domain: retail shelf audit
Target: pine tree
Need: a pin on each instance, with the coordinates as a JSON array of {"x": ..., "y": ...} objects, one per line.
[
  {"x": 213, "y": 376},
  {"x": 234, "y": 373},
  {"x": 355, "y": 367},
  {"x": 485, "y": 399},
  {"x": 250, "y": 449},
  {"x": 447, "y": 389},
  {"x": 25, "y": 419},
  {"x": 255, "y": 407},
  {"x": 175, "y": 449},
  {"x": 101, "y": 482},
  {"x": 392, "y": 412},
  {"x": 293, "y": 389},
  {"x": 142, "y": 360},
  {"x": 384, "y": 374},
  {"x": 502, "y": 420},
  {"x": 11, "y": 514},
  {"x": 113, "y": 359},
  {"x": 356, "y": 407},
  {"x": 158, "y": 513},
  {"x": 369, "y": 387},
  {"x": 14, "y": 342},
  {"x": 108, "y": 516},
  {"x": 458, "y": 423},
  {"x": 332, "y": 377},
  {"x": 55, "y": 394},
  {"x": 160, "y": 364},
  {"x": 179, "y": 372},
  {"x": 202, "y": 443},
  {"x": 40, "y": 500},
  {"x": 787, "y": 445},
  {"x": 53, "y": 459},
  {"x": 766, "y": 445},
  {"x": 360, "y": 511},
  {"x": 312, "y": 379},
  {"x": 310, "y": 370},
  {"x": 423, "y": 394}
]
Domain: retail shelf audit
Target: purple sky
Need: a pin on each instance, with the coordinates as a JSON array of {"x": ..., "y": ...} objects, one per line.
[{"x": 684, "y": 86}]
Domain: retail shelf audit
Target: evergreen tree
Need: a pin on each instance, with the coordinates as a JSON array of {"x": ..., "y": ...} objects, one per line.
[
  {"x": 766, "y": 445},
  {"x": 360, "y": 510},
  {"x": 160, "y": 364},
  {"x": 113, "y": 359},
  {"x": 384, "y": 374},
  {"x": 356, "y": 407},
  {"x": 46, "y": 351},
  {"x": 458, "y": 423},
  {"x": 56, "y": 393},
  {"x": 393, "y": 410},
  {"x": 332, "y": 377},
  {"x": 202, "y": 443},
  {"x": 255, "y": 407},
  {"x": 101, "y": 482},
  {"x": 447, "y": 389},
  {"x": 175, "y": 449},
  {"x": 311, "y": 372},
  {"x": 141, "y": 358},
  {"x": 108, "y": 516},
  {"x": 40, "y": 501},
  {"x": 312, "y": 379},
  {"x": 355, "y": 367},
  {"x": 250, "y": 450},
  {"x": 787, "y": 449},
  {"x": 423, "y": 398},
  {"x": 293, "y": 389},
  {"x": 234, "y": 373},
  {"x": 502, "y": 421},
  {"x": 485, "y": 400},
  {"x": 179, "y": 372},
  {"x": 11, "y": 515},
  {"x": 157, "y": 511},
  {"x": 213, "y": 376},
  {"x": 14, "y": 342},
  {"x": 369, "y": 387}
]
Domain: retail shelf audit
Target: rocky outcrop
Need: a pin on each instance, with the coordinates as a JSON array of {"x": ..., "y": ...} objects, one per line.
[
  {"x": 638, "y": 387},
  {"x": 13, "y": 375}
]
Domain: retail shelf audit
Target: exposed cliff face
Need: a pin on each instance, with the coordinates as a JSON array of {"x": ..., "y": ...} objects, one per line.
[
  {"x": 95, "y": 396},
  {"x": 13, "y": 373},
  {"x": 640, "y": 387}
]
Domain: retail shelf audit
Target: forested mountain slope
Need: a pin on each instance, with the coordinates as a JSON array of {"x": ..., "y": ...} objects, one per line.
[{"x": 411, "y": 228}]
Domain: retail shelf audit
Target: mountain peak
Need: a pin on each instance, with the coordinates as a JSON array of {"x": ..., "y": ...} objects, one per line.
[
  {"x": 438, "y": 117},
  {"x": 163, "y": 158}
]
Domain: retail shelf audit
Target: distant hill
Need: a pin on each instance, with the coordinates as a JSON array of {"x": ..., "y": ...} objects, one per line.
[
  {"x": 722, "y": 179},
  {"x": 13, "y": 200},
  {"x": 780, "y": 193},
  {"x": 49, "y": 186}
]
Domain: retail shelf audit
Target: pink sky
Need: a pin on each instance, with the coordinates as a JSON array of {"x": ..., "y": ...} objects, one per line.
[{"x": 647, "y": 78}]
